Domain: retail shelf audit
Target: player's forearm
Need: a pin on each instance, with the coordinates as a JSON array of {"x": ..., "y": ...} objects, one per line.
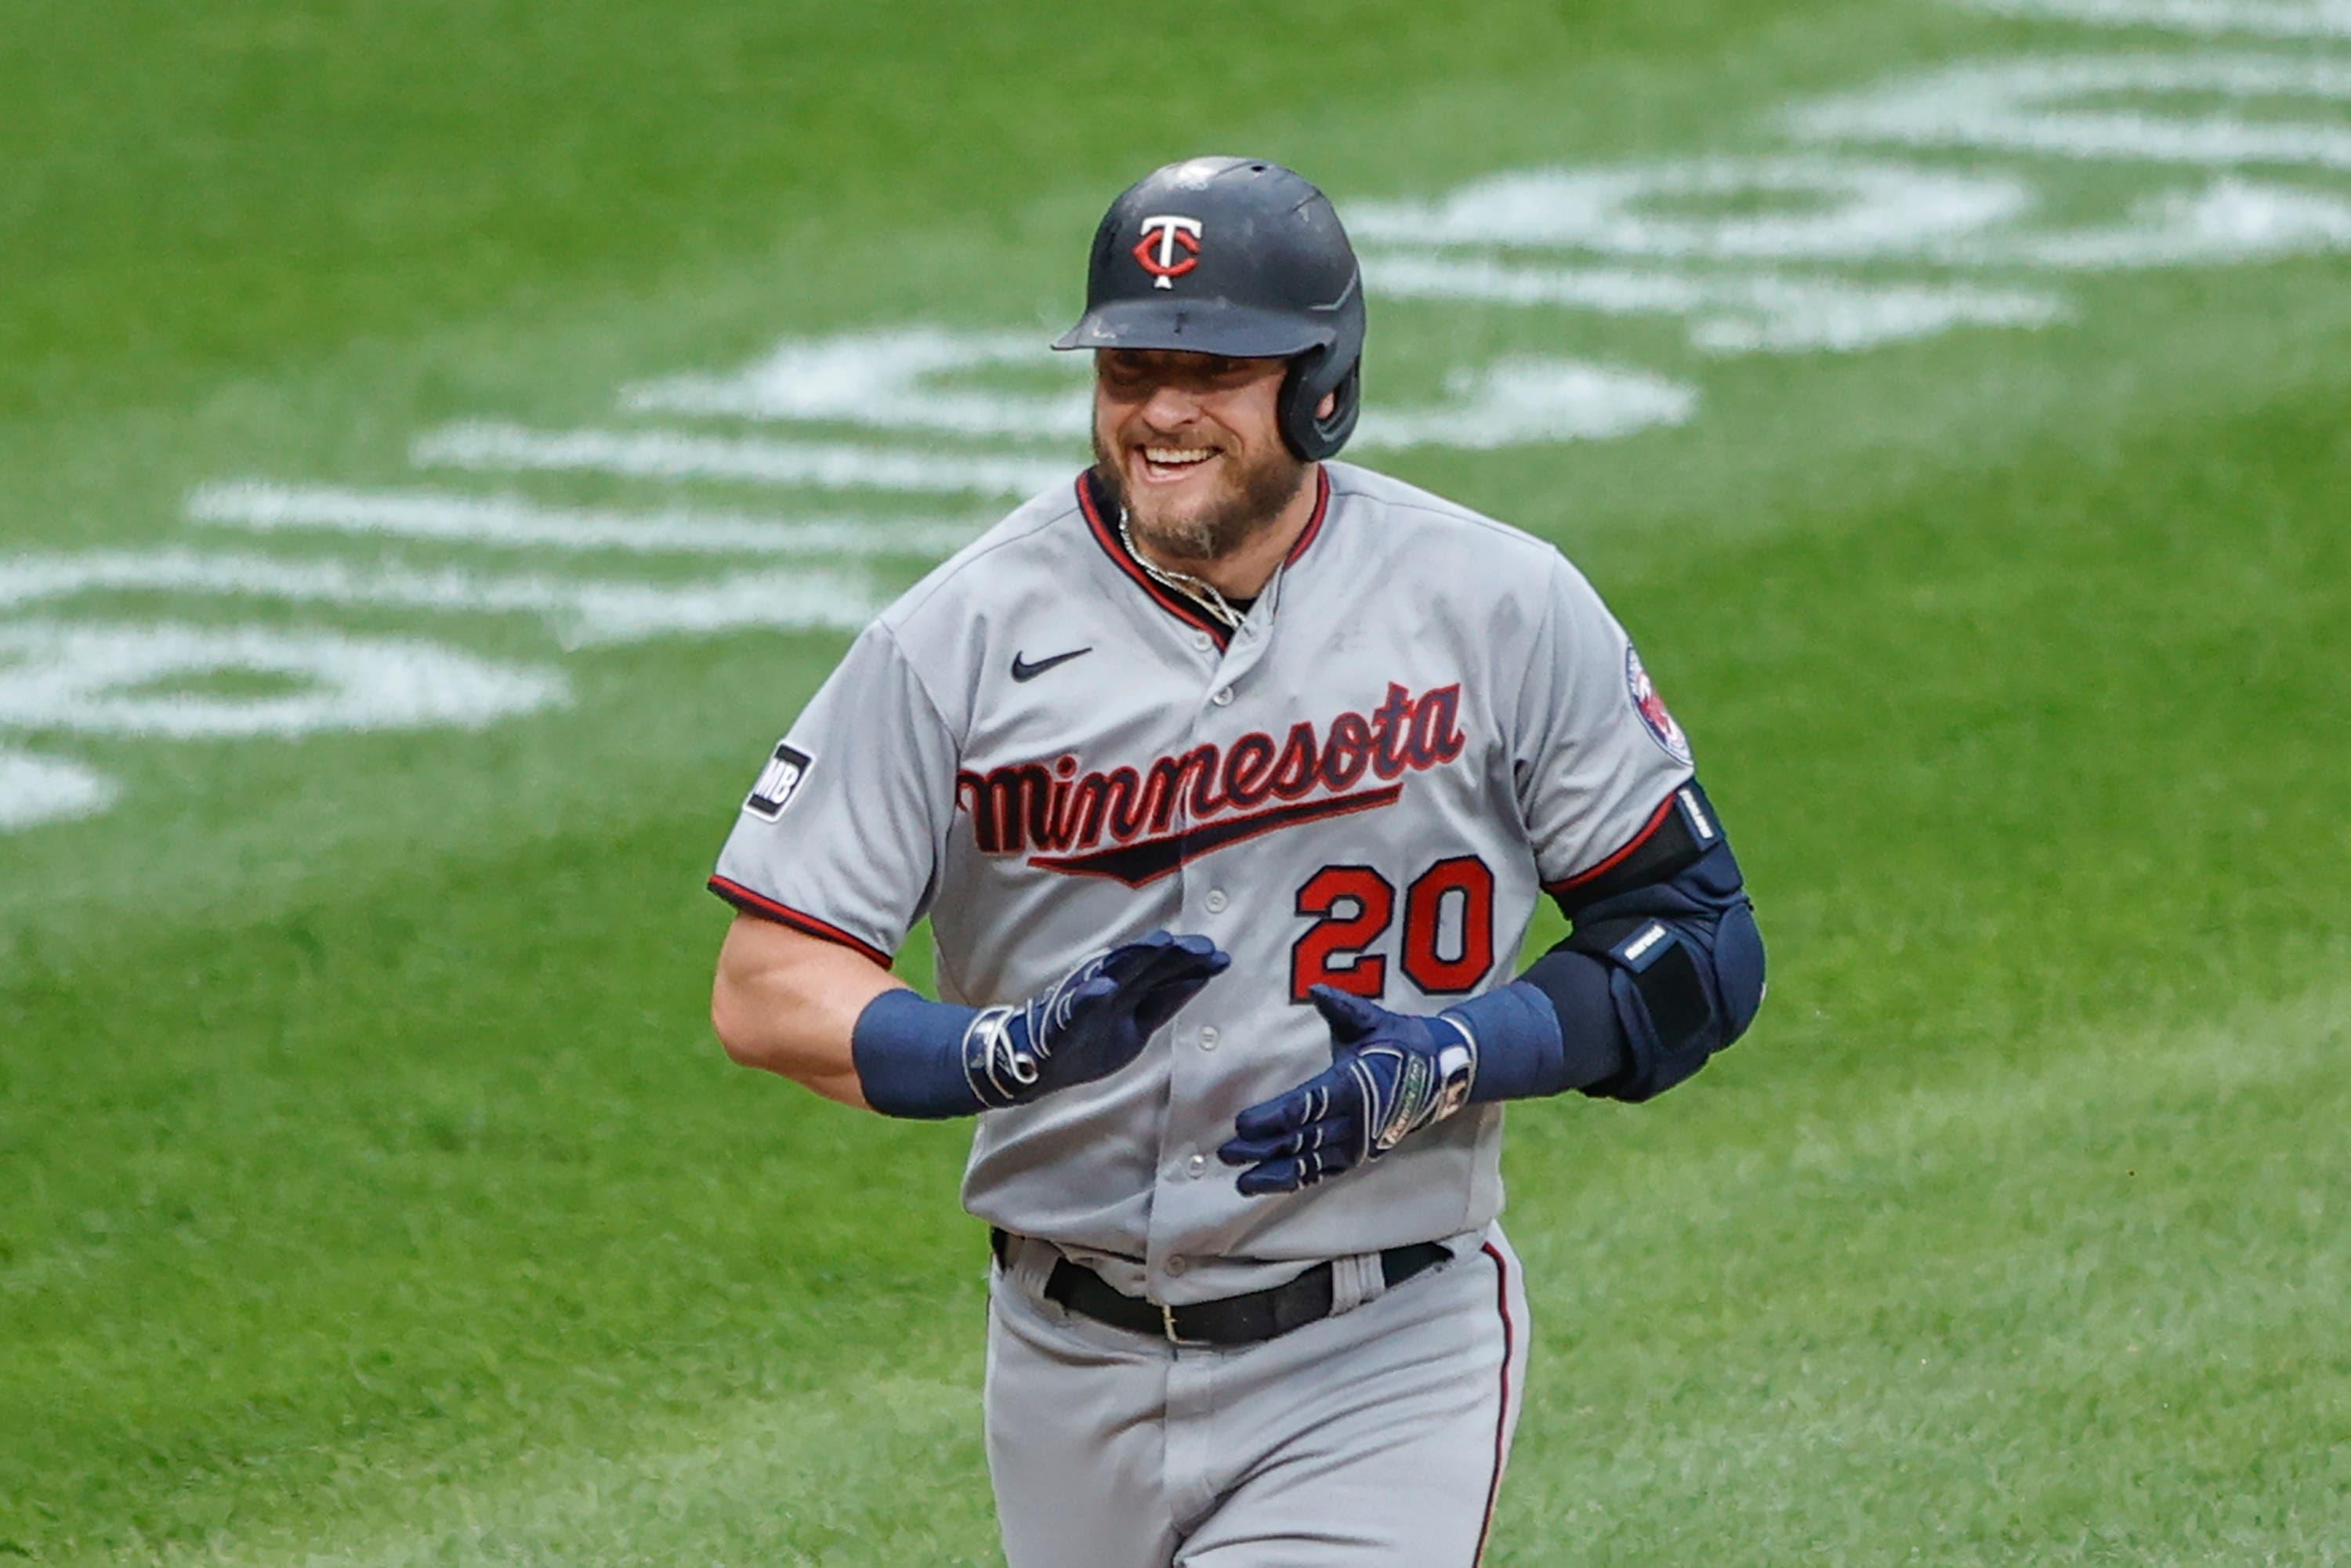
[
  {"x": 789, "y": 1004},
  {"x": 1543, "y": 1035},
  {"x": 839, "y": 1023}
]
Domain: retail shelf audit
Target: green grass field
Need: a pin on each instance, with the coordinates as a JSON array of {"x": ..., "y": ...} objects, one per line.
[{"x": 371, "y": 1191}]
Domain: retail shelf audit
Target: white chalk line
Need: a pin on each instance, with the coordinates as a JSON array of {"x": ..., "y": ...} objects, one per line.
[
  {"x": 262, "y": 505},
  {"x": 1871, "y": 209},
  {"x": 674, "y": 454},
  {"x": 581, "y": 613},
  {"x": 35, "y": 790},
  {"x": 1524, "y": 401},
  {"x": 88, "y": 679},
  {"x": 1732, "y": 315},
  {"x": 2263, "y": 18},
  {"x": 886, "y": 379},
  {"x": 1866, "y": 211},
  {"x": 2016, "y": 106},
  {"x": 2229, "y": 222}
]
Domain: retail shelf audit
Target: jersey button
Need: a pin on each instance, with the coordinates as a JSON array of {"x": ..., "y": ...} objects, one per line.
[
  {"x": 1202, "y": 642},
  {"x": 1208, "y": 1037},
  {"x": 1177, "y": 1263},
  {"x": 1224, "y": 698},
  {"x": 1196, "y": 1166},
  {"x": 1214, "y": 903}
]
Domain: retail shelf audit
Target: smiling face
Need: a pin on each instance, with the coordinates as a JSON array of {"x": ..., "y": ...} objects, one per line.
[{"x": 1191, "y": 446}]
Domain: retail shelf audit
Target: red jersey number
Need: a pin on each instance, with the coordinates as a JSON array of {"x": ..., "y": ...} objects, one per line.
[
  {"x": 1447, "y": 943},
  {"x": 1352, "y": 906}
]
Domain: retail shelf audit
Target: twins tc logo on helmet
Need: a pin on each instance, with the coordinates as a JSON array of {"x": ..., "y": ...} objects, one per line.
[
  {"x": 1163, "y": 237},
  {"x": 1661, "y": 726}
]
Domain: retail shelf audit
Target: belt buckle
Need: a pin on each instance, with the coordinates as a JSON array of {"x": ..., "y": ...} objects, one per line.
[{"x": 1168, "y": 1322}]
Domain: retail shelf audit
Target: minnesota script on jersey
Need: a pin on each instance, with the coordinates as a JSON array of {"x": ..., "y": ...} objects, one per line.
[{"x": 1427, "y": 718}]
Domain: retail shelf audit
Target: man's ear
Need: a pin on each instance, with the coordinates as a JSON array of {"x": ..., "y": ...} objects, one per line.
[{"x": 1330, "y": 402}]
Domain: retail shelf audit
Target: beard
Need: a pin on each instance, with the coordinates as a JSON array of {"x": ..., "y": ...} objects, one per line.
[{"x": 1207, "y": 528}]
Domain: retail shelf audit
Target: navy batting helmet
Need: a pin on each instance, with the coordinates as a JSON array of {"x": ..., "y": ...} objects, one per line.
[{"x": 1241, "y": 257}]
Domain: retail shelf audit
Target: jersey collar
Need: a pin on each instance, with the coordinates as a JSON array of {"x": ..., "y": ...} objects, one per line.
[
  {"x": 1091, "y": 502},
  {"x": 1306, "y": 536}
]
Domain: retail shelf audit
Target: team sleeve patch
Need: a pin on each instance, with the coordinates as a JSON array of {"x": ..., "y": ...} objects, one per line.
[
  {"x": 780, "y": 780},
  {"x": 1652, "y": 709}
]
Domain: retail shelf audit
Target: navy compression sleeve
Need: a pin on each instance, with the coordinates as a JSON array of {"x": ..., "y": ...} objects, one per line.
[
  {"x": 1655, "y": 979},
  {"x": 909, "y": 1055}
]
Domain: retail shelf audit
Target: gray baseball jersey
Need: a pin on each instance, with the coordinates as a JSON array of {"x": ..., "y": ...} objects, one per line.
[{"x": 1425, "y": 720}]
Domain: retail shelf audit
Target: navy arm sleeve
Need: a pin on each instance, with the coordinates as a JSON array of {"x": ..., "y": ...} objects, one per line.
[
  {"x": 1666, "y": 975},
  {"x": 1662, "y": 969}
]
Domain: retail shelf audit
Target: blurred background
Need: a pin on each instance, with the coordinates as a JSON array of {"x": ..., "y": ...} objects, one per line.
[{"x": 442, "y": 445}]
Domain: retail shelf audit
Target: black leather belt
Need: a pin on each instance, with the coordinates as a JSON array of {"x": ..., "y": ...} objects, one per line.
[{"x": 1233, "y": 1320}]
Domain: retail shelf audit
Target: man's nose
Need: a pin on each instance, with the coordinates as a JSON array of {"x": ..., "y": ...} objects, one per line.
[{"x": 1171, "y": 404}]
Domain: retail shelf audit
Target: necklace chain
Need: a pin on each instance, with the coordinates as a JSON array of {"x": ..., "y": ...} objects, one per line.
[{"x": 1202, "y": 593}]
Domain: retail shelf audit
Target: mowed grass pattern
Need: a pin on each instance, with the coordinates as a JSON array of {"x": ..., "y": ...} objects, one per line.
[{"x": 371, "y": 1193}]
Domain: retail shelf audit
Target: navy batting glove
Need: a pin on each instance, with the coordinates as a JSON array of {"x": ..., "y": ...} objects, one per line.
[
  {"x": 915, "y": 1057},
  {"x": 1390, "y": 1075},
  {"x": 1088, "y": 1024}
]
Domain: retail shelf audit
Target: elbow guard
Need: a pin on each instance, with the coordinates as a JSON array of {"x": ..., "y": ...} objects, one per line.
[{"x": 1677, "y": 934}]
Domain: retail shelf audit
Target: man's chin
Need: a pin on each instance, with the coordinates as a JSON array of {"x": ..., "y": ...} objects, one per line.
[
  {"x": 1156, "y": 518},
  {"x": 1191, "y": 534}
]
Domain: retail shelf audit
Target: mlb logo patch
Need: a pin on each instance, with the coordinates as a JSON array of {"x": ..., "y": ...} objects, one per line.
[{"x": 779, "y": 781}]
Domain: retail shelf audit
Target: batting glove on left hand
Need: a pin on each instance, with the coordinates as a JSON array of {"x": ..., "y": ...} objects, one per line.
[{"x": 1390, "y": 1075}]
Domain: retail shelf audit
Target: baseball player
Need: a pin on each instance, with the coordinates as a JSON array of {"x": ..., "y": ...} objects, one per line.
[{"x": 1228, "y": 777}]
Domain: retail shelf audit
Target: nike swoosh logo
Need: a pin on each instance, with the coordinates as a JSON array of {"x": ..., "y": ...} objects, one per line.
[{"x": 1022, "y": 670}]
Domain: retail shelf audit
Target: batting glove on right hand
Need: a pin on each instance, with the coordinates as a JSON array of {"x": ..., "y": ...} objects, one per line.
[
  {"x": 1390, "y": 1075},
  {"x": 1089, "y": 1023}
]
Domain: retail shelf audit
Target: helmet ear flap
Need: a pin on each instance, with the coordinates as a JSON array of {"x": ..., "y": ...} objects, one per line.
[{"x": 1309, "y": 435}]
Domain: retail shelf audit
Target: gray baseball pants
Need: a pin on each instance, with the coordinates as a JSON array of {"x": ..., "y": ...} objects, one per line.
[{"x": 1374, "y": 1438}]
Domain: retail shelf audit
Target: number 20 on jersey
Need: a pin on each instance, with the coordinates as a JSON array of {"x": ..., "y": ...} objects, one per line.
[{"x": 1445, "y": 948}]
